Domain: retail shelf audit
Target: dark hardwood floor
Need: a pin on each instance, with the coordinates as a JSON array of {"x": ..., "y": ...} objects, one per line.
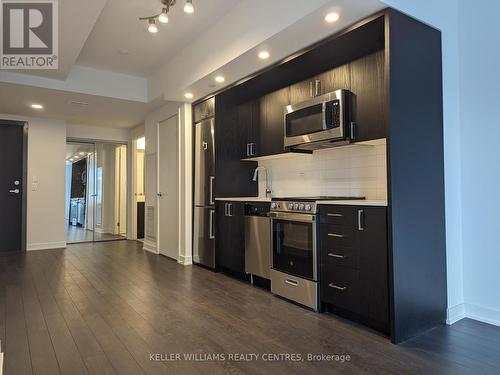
[{"x": 104, "y": 308}]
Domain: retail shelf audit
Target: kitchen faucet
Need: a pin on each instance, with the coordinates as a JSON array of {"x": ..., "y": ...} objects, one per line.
[{"x": 268, "y": 179}]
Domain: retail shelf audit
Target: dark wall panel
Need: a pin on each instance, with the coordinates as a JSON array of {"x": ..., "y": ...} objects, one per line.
[{"x": 416, "y": 179}]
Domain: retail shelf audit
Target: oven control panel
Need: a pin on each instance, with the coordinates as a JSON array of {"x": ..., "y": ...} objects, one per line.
[{"x": 294, "y": 206}]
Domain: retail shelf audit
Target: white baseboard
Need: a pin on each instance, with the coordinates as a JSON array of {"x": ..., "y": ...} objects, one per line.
[
  {"x": 150, "y": 246},
  {"x": 483, "y": 314},
  {"x": 185, "y": 260},
  {"x": 46, "y": 246},
  {"x": 455, "y": 313},
  {"x": 476, "y": 312}
]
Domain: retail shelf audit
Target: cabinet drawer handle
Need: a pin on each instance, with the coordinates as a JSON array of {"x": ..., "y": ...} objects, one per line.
[
  {"x": 335, "y": 215},
  {"x": 342, "y": 288},
  {"x": 336, "y": 255},
  {"x": 336, "y": 235},
  {"x": 291, "y": 282}
]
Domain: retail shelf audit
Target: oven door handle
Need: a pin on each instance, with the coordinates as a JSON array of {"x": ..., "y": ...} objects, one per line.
[{"x": 303, "y": 218}]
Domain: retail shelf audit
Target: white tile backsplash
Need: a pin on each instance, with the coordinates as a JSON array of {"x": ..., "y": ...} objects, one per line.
[{"x": 355, "y": 170}]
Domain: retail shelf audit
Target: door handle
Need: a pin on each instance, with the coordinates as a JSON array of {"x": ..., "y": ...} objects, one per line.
[
  {"x": 15, "y": 191},
  {"x": 361, "y": 215},
  {"x": 336, "y": 255},
  {"x": 159, "y": 195},
  {"x": 291, "y": 282},
  {"x": 336, "y": 235},
  {"x": 211, "y": 233},
  {"x": 341, "y": 288},
  {"x": 212, "y": 178}
]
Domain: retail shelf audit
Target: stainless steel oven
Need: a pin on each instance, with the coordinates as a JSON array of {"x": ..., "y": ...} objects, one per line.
[
  {"x": 294, "y": 244},
  {"x": 321, "y": 122},
  {"x": 294, "y": 259}
]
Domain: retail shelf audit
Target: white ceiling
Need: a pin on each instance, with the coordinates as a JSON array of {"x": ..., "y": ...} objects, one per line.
[
  {"x": 101, "y": 111},
  {"x": 119, "y": 29},
  {"x": 221, "y": 37}
]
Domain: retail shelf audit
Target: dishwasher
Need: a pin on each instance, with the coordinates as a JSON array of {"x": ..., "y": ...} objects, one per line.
[{"x": 258, "y": 239}]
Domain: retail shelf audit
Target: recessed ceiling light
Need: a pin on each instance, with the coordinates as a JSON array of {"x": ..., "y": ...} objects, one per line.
[
  {"x": 37, "y": 106},
  {"x": 188, "y": 95},
  {"x": 263, "y": 55},
  {"x": 82, "y": 153},
  {"x": 219, "y": 79},
  {"x": 332, "y": 17}
]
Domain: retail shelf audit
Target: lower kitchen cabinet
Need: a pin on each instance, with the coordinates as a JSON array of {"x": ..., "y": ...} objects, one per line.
[
  {"x": 230, "y": 238},
  {"x": 354, "y": 263}
]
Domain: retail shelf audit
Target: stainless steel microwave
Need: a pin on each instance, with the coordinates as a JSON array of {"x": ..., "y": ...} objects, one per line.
[{"x": 322, "y": 122}]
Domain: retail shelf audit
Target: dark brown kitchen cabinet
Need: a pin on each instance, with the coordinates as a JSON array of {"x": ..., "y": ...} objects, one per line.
[
  {"x": 249, "y": 122},
  {"x": 354, "y": 263},
  {"x": 271, "y": 126},
  {"x": 233, "y": 177},
  {"x": 335, "y": 79},
  {"x": 304, "y": 90},
  {"x": 204, "y": 110},
  {"x": 230, "y": 238},
  {"x": 367, "y": 85}
]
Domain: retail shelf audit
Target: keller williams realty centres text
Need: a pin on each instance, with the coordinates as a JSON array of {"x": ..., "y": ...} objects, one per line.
[{"x": 248, "y": 357}]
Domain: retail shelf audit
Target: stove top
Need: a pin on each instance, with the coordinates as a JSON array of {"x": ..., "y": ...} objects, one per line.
[
  {"x": 320, "y": 198},
  {"x": 303, "y": 205}
]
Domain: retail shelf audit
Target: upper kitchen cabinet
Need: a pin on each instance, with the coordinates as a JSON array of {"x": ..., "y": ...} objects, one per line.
[
  {"x": 271, "y": 123},
  {"x": 370, "y": 97},
  {"x": 204, "y": 110},
  {"x": 233, "y": 133}
]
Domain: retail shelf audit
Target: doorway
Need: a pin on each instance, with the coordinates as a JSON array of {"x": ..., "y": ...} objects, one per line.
[
  {"x": 139, "y": 187},
  {"x": 13, "y": 175},
  {"x": 96, "y": 191},
  {"x": 168, "y": 188}
]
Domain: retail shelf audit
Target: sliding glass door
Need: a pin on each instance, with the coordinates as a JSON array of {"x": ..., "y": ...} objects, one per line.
[{"x": 96, "y": 192}]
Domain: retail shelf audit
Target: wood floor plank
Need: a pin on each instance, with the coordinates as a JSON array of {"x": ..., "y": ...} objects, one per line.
[
  {"x": 43, "y": 358},
  {"x": 106, "y": 307},
  {"x": 16, "y": 351}
]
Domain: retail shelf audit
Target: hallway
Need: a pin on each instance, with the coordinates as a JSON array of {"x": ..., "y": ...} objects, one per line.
[{"x": 104, "y": 308}]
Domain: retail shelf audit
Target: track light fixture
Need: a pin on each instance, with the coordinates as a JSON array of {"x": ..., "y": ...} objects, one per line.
[{"x": 163, "y": 16}]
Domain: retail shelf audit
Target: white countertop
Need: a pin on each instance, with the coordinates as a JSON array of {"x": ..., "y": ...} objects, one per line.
[
  {"x": 361, "y": 202},
  {"x": 244, "y": 199}
]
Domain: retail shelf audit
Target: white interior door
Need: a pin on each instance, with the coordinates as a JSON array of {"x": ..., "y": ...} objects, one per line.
[{"x": 168, "y": 184}]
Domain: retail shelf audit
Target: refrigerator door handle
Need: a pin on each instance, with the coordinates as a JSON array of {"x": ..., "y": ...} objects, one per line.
[
  {"x": 212, "y": 178},
  {"x": 211, "y": 233}
]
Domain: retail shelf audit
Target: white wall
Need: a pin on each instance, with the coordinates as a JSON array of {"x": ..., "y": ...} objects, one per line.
[
  {"x": 479, "y": 39},
  {"x": 356, "y": 171},
  {"x": 97, "y": 133},
  {"x": 46, "y": 197}
]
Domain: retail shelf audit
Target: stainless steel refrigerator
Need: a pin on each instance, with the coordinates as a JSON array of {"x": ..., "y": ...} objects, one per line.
[{"x": 204, "y": 193}]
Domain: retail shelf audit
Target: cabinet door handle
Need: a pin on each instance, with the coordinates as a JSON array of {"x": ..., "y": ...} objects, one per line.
[
  {"x": 336, "y": 235},
  {"x": 317, "y": 87},
  {"x": 353, "y": 130},
  {"x": 229, "y": 209},
  {"x": 336, "y": 255},
  {"x": 291, "y": 282},
  {"x": 252, "y": 148},
  {"x": 341, "y": 288},
  {"x": 248, "y": 149},
  {"x": 335, "y": 215},
  {"x": 211, "y": 233},
  {"x": 225, "y": 209},
  {"x": 361, "y": 215},
  {"x": 212, "y": 178}
]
